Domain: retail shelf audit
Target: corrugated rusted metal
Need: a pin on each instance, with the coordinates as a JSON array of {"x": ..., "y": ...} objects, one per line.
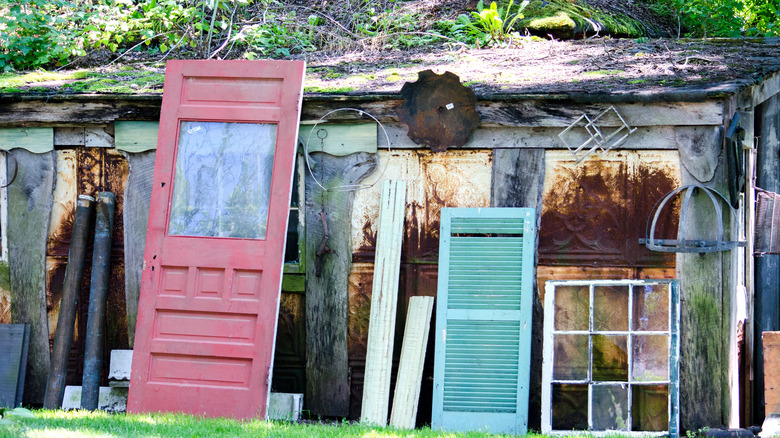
[
  {"x": 82, "y": 170},
  {"x": 454, "y": 179},
  {"x": 594, "y": 212}
]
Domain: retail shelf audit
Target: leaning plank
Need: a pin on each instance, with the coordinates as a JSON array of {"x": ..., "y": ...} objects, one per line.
[
  {"x": 12, "y": 344},
  {"x": 384, "y": 300},
  {"x": 410, "y": 367},
  {"x": 29, "y": 207},
  {"x": 138, "y": 192},
  {"x": 327, "y": 365}
]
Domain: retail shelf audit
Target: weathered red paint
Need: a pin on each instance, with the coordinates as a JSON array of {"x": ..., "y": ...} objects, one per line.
[{"x": 208, "y": 306}]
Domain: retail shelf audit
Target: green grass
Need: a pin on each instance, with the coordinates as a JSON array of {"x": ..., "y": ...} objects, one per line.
[{"x": 72, "y": 424}]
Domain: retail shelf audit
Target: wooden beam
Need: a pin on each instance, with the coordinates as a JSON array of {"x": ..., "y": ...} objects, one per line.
[
  {"x": 410, "y": 367},
  {"x": 58, "y": 111},
  {"x": 29, "y": 207},
  {"x": 327, "y": 367},
  {"x": 644, "y": 138},
  {"x": 384, "y": 301},
  {"x": 35, "y": 140}
]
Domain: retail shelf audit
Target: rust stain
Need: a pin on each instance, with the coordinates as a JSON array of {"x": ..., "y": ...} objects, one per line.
[
  {"x": 594, "y": 212},
  {"x": 5, "y": 307},
  {"x": 359, "y": 308}
]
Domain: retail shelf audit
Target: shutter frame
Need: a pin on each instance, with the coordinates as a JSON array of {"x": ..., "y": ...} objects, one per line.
[{"x": 484, "y": 305}]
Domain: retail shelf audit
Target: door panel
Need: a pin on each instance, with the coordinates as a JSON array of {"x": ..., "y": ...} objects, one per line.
[{"x": 215, "y": 245}]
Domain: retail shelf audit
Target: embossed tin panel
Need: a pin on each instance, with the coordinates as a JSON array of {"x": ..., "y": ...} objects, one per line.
[{"x": 594, "y": 212}]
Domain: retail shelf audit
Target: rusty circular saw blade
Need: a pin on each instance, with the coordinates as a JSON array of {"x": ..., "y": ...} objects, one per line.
[{"x": 439, "y": 111}]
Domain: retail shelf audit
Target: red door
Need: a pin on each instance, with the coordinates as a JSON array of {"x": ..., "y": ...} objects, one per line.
[{"x": 215, "y": 244}]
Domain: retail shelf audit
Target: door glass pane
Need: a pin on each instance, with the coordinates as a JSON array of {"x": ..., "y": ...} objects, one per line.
[
  {"x": 610, "y": 358},
  {"x": 222, "y": 181},
  {"x": 572, "y": 307},
  {"x": 650, "y": 407},
  {"x": 650, "y": 357},
  {"x": 610, "y": 407},
  {"x": 651, "y": 307},
  {"x": 569, "y": 407},
  {"x": 571, "y": 357},
  {"x": 610, "y": 308}
]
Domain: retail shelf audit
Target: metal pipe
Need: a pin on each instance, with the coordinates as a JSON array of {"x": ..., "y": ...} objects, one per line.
[
  {"x": 63, "y": 337},
  {"x": 98, "y": 290}
]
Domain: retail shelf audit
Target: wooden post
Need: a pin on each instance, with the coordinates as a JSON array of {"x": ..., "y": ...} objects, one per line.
[
  {"x": 29, "y": 207},
  {"x": 327, "y": 366},
  {"x": 767, "y": 268},
  {"x": 98, "y": 290},
  {"x": 410, "y": 367},
  {"x": 518, "y": 181},
  {"x": 71, "y": 288},
  {"x": 384, "y": 301},
  {"x": 704, "y": 312}
]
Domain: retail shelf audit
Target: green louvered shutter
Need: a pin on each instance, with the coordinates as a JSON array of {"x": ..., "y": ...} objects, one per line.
[{"x": 483, "y": 319}]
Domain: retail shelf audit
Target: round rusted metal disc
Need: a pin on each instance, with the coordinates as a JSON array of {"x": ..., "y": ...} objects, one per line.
[{"x": 439, "y": 111}]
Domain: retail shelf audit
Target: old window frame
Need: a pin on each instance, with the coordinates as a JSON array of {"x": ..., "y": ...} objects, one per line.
[{"x": 674, "y": 353}]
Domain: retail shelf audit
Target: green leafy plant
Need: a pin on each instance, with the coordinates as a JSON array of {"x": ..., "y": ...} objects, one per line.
[
  {"x": 35, "y": 33},
  {"x": 7, "y": 415},
  {"x": 487, "y": 25}
]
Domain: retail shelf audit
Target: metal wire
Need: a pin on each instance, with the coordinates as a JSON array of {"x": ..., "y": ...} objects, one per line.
[
  {"x": 16, "y": 169},
  {"x": 346, "y": 187}
]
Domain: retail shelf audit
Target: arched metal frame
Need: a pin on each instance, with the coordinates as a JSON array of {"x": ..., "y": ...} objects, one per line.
[{"x": 682, "y": 243}]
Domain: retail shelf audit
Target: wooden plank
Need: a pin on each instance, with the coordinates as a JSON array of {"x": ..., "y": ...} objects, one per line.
[
  {"x": 36, "y": 140},
  {"x": 138, "y": 192},
  {"x": 69, "y": 136},
  {"x": 700, "y": 149},
  {"x": 767, "y": 268},
  {"x": 29, "y": 207},
  {"x": 542, "y": 113},
  {"x": 704, "y": 356},
  {"x": 644, "y": 138},
  {"x": 135, "y": 136},
  {"x": 327, "y": 367},
  {"x": 410, "y": 366},
  {"x": 518, "y": 181},
  {"x": 70, "y": 112},
  {"x": 3, "y": 212},
  {"x": 770, "y": 342},
  {"x": 12, "y": 345},
  {"x": 99, "y": 136},
  {"x": 384, "y": 301},
  {"x": 746, "y": 373},
  {"x": 339, "y": 139}
]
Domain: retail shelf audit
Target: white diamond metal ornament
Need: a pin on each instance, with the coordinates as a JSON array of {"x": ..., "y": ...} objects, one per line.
[{"x": 595, "y": 129}]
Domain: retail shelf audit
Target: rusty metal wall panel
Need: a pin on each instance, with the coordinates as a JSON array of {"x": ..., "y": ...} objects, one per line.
[
  {"x": 594, "y": 212},
  {"x": 452, "y": 179},
  {"x": 455, "y": 179}
]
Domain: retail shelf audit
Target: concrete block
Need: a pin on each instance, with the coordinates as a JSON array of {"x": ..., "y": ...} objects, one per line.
[
  {"x": 285, "y": 406},
  {"x": 109, "y": 399},
  {"x": 121, "y": 363}
]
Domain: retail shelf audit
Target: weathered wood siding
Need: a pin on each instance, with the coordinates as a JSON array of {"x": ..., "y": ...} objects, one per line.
[{"x": 29, "y": 205}]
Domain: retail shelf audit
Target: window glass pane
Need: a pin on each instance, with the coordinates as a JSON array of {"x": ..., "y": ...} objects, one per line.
[
  {"x": 650, "y": 357},
  {"x": 651, "y": 307},
  {"x": 569, "y": 407},
  {"x": 222, "y": 183},
  {"x": 572, "y": 306},
  {"x": 650, "y": 407},
  {"x": 610, "y": 407},
  {"x": 610, "y": 358},
  {"x": 571, "y": 357},
  {"x": 610, "y": 308}
]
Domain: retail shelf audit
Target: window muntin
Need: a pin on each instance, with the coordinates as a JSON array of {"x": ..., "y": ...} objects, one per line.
[{"x": 611, "y": 356}]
